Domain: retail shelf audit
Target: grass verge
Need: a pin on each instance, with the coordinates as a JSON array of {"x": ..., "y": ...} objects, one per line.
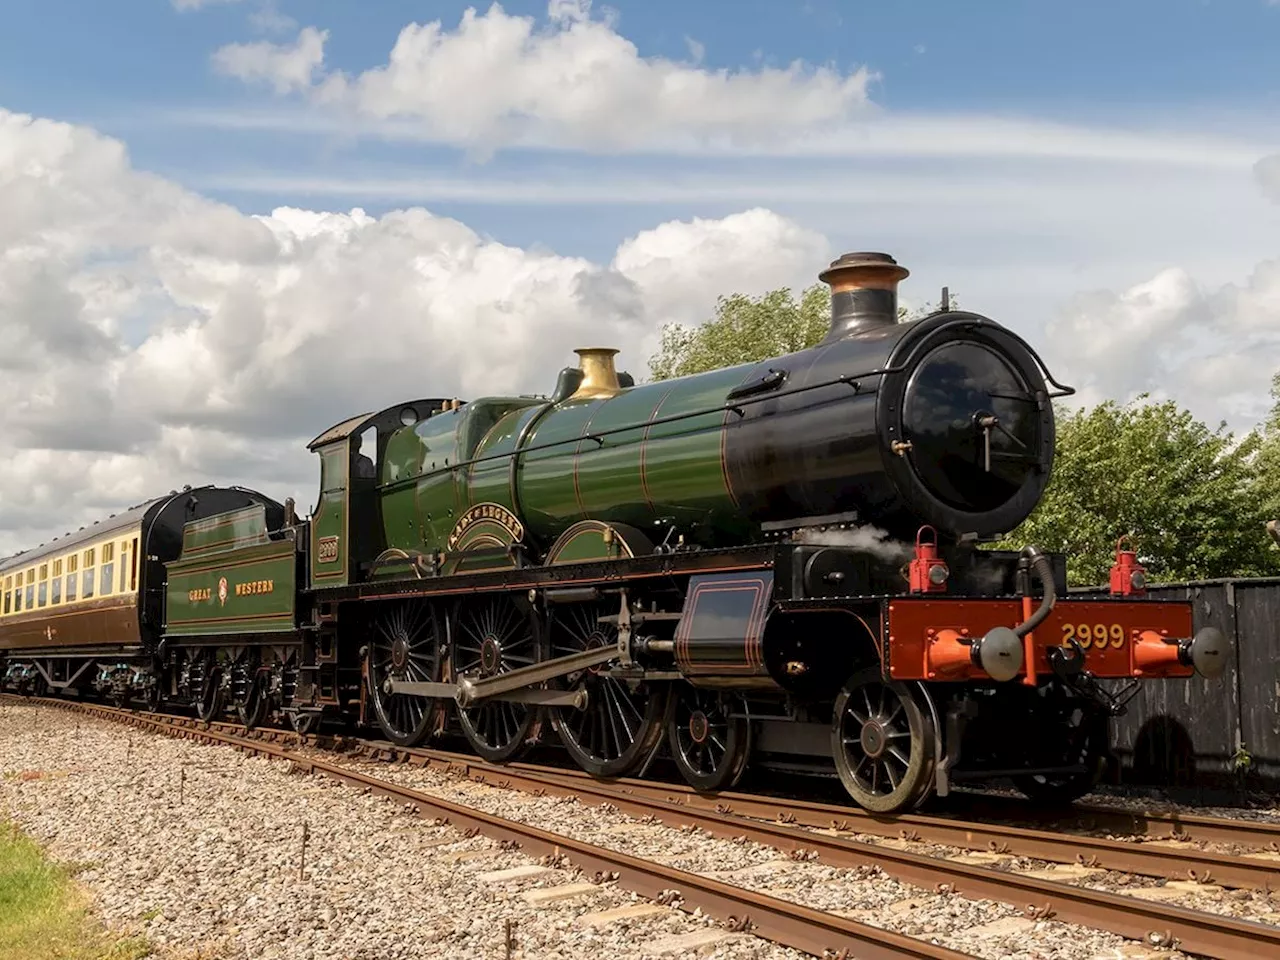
[{"x": 43, "y": 915}]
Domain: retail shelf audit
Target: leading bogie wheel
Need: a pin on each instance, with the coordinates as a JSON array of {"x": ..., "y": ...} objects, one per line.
[
  {"x": 404, "y": 645},
  {"x": 709, "y": 737},
  {"x": 622, "y": 721},
  {"x": 1083, "y": 740},
  {"x": 491, "y": 636},
  {"x": 883, "y": 741}
]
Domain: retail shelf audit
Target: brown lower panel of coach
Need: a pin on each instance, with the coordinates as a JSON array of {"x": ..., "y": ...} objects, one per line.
[{"x": 95, "y": 623}]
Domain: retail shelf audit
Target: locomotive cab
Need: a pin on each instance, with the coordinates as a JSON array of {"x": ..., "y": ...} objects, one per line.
[{"x": 346, "y": 525}]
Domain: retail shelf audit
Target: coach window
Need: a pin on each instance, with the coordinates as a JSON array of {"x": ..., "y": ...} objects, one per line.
[
  {"x": 133, "y": 565},
  {"x": 73, "y": 565},
  {"x": 31, "y": 588},
  {"x": 108, "y": 568},
  {"x": 55, "y": 584},
  {"x": 42, "y": 597},
  {"x": 86, "y": 575},
  {"x": 8, "y": 593},
  {"x": 124, "y": 563}
]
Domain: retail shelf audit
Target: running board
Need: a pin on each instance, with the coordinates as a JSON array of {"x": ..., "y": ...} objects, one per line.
[{"x": 508, "y": 686}]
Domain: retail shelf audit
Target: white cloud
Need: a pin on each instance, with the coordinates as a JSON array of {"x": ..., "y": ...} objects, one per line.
[
  {"x": 185, "y": 5},
  {"x": 497, "y": 80},
  {"x": 1213, "y": 352},
  {"x": 154, "y": 337},
  {"x": 875, "y": 135},
  {"x": 285, "y": 67},
  {"x": 1267, "y": 173}
]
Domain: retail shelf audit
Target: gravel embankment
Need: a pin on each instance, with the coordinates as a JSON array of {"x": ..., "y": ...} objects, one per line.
[
  {"x": 208, "y": 866},
  {"x": 982, "y": 928},
  {"x": 211, "y": 863}
]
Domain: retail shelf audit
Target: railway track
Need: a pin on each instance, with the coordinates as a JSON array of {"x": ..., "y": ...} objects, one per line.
[
  {"x": 1229, "y": 870},
  {"x": 788, "y": 825}
]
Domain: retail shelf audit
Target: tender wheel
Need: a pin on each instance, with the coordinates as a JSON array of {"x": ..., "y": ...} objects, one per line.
[
  {"x": 492, "y": 636},
  {"x": 209, "y": 705},
  {"x": 1084, "y": 741},
  {"x": 620, "y": 725},
  {"x": 252, "y": 710},
  {"x": 883, "y": 743},
  {"x": 710, "y": 747},
  {"x": 405, "y": 646}
]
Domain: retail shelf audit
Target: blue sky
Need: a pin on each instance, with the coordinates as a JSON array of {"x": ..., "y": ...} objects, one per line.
[
  {"x": 1200, "y": 70},
  {"x": 140, "y": 70},
  {"x": 180, "y": 248}
]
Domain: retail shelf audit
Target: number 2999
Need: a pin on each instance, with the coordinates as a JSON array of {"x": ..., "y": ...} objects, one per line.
[{"x": 1097, "y": 635}]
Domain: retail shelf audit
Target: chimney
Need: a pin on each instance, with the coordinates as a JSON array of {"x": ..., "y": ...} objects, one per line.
[
  {"x": 864, "y": 292},
  {"x": 599, "y": 377}
]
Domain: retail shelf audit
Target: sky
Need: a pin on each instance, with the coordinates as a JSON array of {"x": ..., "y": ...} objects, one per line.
[{"x": 227, "y": 224}]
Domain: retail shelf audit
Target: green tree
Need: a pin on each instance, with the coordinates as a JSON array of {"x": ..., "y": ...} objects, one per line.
[
  {"x": 1151, "y": 470},
  {"x": 1266, "y": 493},
  {"x": 748, "y": 329}
]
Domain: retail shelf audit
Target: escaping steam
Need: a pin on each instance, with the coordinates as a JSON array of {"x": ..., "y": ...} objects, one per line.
[{"x": 867, "y": 539}]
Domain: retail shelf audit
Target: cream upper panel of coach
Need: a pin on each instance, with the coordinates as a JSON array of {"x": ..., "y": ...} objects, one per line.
[{"x": 88, "y": 570}]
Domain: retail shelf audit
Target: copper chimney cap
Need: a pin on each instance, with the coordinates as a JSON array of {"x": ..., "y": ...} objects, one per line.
[
  {"x": 865, "y": 271},
  {"x": 864, "y": 292}
]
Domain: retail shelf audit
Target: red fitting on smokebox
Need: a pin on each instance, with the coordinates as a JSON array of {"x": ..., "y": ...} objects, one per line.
[
  {"x": 1128, "y": 578},
  {"x": 928, "y": 572},
  {"x": 1152, "y": 651}
]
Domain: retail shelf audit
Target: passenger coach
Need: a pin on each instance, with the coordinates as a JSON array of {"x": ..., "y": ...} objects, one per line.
[{"x": 86, "y": 611}]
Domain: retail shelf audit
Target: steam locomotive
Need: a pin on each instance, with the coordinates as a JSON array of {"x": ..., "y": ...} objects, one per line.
[{"x": 786, "y": 563}]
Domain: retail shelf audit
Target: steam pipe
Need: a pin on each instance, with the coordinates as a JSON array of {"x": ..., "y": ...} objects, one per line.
[{"x": 1044, "y": 573}]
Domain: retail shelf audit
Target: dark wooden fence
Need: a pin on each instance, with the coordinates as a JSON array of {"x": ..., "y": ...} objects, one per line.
[{"x": 1213, "y": 733}]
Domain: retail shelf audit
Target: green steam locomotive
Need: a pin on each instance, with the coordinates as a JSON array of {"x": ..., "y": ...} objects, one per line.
[{"x": 780, "y": 563}]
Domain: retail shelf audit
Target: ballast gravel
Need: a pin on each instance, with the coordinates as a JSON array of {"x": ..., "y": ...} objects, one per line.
[
  {"x": 982, "y": 928},
  {"x": 201, "y": 850}
]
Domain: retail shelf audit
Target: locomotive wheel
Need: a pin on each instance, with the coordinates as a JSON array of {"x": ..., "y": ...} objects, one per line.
[
  {"x": 492, "y": 636},
  {"x": 405, "y": 646},
  {"x": 710, "y": 747},
  {"x": 209, "y": 706},
  {"x": 153, "y": 698},
  {"x": 1085, "y": 742},
  {"x": 883, "y": 743},
  {"x": 619, "y": 726},
  {"x": 252, "y": 710}
]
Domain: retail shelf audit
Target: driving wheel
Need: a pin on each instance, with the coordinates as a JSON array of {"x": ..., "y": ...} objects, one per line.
[
  {"x": 622, "y": 721},
  {"x": 405, "y": 646},
  {"x": 492, "y": 636}
]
